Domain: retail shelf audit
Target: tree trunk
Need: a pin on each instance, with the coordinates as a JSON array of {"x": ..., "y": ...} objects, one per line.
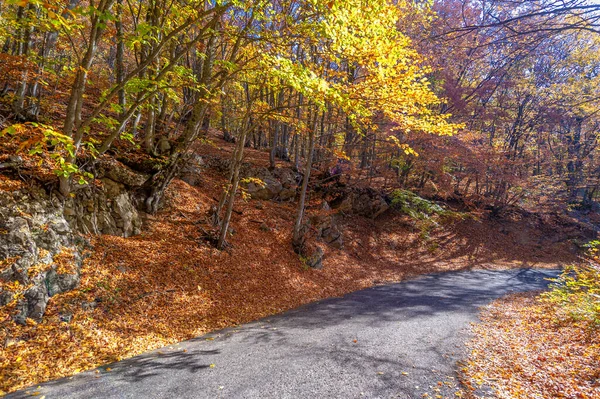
[
  {"x": 297, "y": 239},
  {"x": 119, "y": 67},
  {"x": 232, "y": 190}
]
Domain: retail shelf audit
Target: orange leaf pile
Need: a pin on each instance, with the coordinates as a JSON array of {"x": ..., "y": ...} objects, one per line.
[{"x": 521, "y": 351}]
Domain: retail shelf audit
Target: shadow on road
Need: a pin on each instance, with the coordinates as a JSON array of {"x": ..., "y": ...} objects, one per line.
[
  {"x": 370, "y": 337},
  {"x": 420, "y": 297}
]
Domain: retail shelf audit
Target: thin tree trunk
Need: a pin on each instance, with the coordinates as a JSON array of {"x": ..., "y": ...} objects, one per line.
[
  {"x": 232, "y": 190},
  {"x": 149, "y": 132},
  {"x": 297, "y": 239},
  {"x": 120, "y": 68}
]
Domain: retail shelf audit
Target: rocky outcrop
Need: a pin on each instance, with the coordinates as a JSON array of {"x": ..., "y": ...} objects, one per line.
[
  {"x": 290, "y": 181},
  {"x": 191, "y": 172},
  {"x": 315, "y": 260},
  {"x": 261, "y": 183},
  {"x": 325, "y": 225},
  {"x": 40, "y": 256},
  {"x": 365, "y": 202},
  {"x": 109, "y": 207},
  {"x": 223, "y": 165},
  {"x": 40, "y": 250},
  {"x": 280, "y": 183}
]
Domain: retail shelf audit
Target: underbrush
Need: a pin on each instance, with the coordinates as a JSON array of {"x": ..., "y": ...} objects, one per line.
[
  {"x": 575, "y": 295},
  {"x": 427, "y": 214}
]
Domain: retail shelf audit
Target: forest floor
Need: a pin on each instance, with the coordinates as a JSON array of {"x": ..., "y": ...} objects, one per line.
[
  {"x": 521, "y": 350},
  {"x": 167, "y": 284}
]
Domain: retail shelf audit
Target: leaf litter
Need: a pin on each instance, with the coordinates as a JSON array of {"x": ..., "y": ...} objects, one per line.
[{"x": 166, "y": 285}]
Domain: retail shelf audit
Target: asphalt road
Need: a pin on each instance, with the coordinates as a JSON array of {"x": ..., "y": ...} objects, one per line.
[{"x": 392, "y": 341}]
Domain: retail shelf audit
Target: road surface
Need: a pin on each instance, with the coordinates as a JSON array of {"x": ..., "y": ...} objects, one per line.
[{"x": 394, "y": 341}]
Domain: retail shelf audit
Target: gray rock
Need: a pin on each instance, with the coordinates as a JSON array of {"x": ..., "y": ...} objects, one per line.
[
  {"x": 315, "y": 260},
  {"x": 333, "y": 236},
  {"x": 66, "y": 282},
  {"x": 287, "y": 194},
  {"x": 280, "y": 183},
  {"x": 110, "y": 209},
  {"x": 120, "y": 173},
  {"x": 15, "y": 159},
  {"x": 128, "y": 214},
  {"x": 325, "y": 224},
  {"x": 37, "y": 300},
  {"x": 65, "y": 317},
  {"x": 20, "y": 318},
  {"x": 364, "y": 202},
  {"x": 191, "y": 173},
  {"x": 89, "y": 305},
  {"x": 111, "y": 189},
  {"x": 269, "y": 188},
  {"x": 287, "y": 177},
  {"x": 34, "y": 232},
  {"x": 6, "y": 297},
  {"x": 163, "y": 145},
  {"x": 60, "y": 226},
  {"x": 368, "y": 204}
]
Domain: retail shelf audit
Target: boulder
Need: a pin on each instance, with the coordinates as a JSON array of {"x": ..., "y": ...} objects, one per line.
[
  {"x": 191, "y": 172},
  {"x": 6, "y": 297},
  {"x": 279, "y": 183},
  {"x": 287, "y": 194},
  {"x": 129, "y": 221},
  {"x": 325, "y": 225},
  {"x": 315, "y": 261},
  {"x": 269, "y": 187},
  {"x": 333, "y": 236},
  {"x": 287, "y": 177},
  {"x": 368, "y": 203},
  {"x": 365, "y": 202},
  {"x": 117, "y": 172}
]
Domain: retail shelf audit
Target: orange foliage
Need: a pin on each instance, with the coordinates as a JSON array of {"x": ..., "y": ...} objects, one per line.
[
  {"x": 13, "y": 67},
  {"x": 520, "y": 351},
  {"x": 159, "y": 287},
  {"x": 8, "y": 184}
]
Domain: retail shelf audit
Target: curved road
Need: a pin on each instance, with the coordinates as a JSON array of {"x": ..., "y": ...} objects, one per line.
[{"x": 393, "y": 341}]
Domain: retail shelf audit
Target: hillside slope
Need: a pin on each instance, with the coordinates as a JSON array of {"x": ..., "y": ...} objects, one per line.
[{"x": 168, "y": 283}]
